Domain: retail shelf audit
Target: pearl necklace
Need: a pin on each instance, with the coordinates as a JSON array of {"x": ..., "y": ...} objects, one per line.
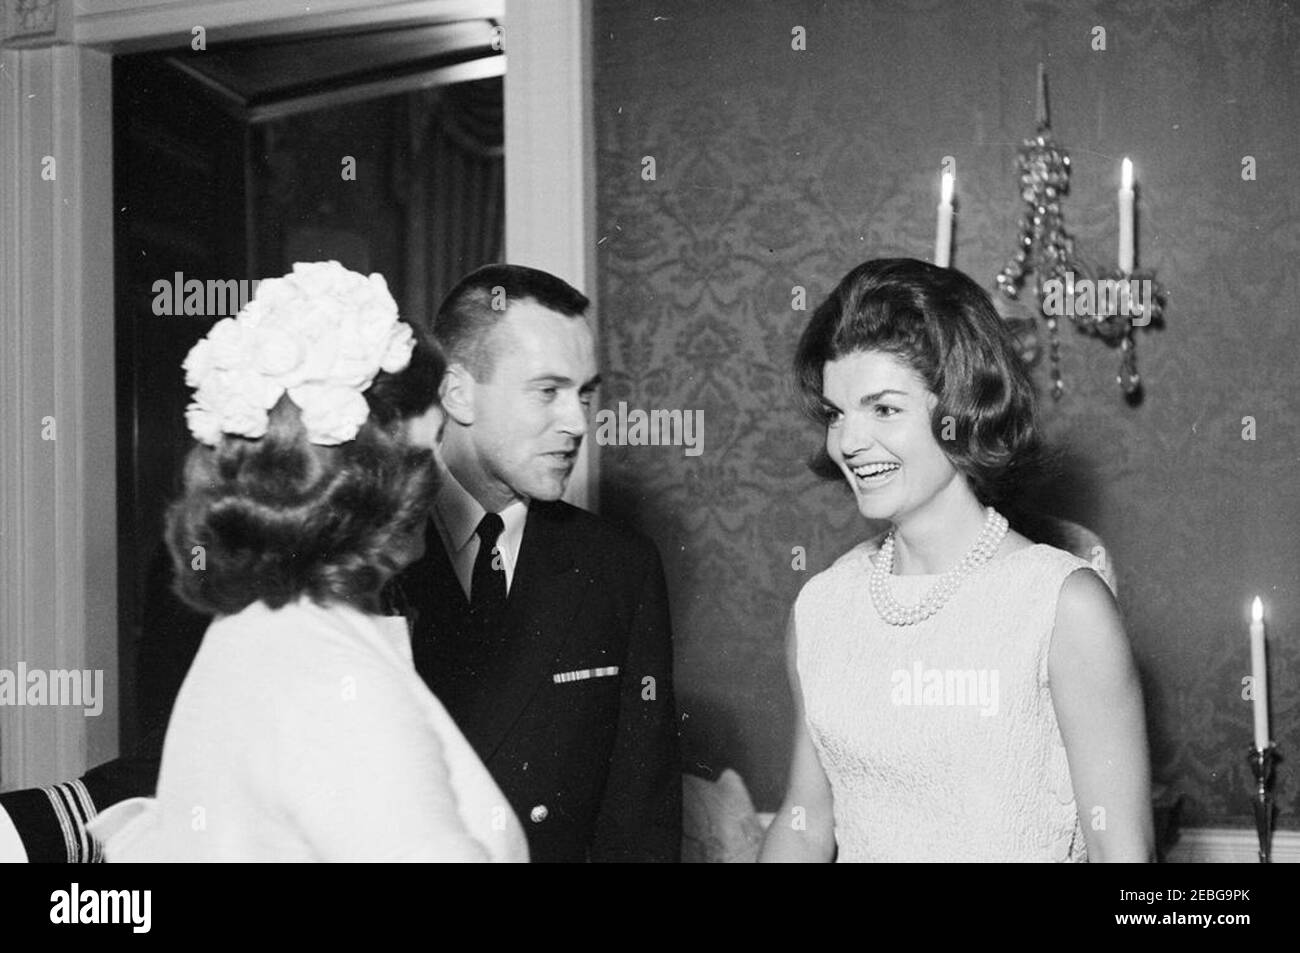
[{"x": 893, "y": 612}]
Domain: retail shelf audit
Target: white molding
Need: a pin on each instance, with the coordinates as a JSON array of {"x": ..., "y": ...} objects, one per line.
[
  {"x": 15, "y": 502},
  {"x": 37, "y": 23},
  {"x": 89, "y": 358},
  {"x": 132, "y": 25},
  {"x": 550, "y": 160},
  {"x": 1231, "y": 845},
  {"x": 59, "y": 529}
]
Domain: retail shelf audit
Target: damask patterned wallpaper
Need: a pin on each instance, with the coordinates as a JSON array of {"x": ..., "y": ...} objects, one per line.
[{"x": 775, "y": 167}]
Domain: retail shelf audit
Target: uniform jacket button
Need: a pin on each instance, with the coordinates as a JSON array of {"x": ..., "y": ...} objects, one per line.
[{"x": 538, "y": 814}]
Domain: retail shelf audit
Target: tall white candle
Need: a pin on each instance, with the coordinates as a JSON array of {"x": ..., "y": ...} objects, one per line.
[
  {"x": 1041, "y": 115},
  {"x": 1259, "y": 671},
  {"x": 943, "y": 233},
  {"x": 1126, "y": 218}
]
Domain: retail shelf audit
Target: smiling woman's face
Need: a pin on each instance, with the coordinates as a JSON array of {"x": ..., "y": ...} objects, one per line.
[{"x": 878, "y": 433}]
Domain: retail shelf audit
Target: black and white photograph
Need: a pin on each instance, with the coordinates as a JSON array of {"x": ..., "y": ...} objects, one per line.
[{"x": 651, "y": 431}]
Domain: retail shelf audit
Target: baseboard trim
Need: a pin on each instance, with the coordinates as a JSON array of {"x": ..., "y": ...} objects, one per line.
[
  {"x": 1214, "y": 845},
  {"x": 1231, "y": 845}
]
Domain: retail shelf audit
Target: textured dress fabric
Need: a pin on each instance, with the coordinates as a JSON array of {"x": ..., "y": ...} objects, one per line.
[
  {"x": 940, "y": 740},
  {"x": 305, "y": 734}
]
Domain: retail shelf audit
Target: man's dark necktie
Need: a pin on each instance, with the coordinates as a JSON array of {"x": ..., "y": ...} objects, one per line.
[{"x": 487, "y": 590}]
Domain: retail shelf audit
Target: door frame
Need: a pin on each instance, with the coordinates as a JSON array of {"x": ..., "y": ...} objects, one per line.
[{"x": 58, "y": 533}]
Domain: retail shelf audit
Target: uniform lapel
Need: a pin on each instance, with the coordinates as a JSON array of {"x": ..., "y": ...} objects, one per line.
[{"x": 438, "y": 613}]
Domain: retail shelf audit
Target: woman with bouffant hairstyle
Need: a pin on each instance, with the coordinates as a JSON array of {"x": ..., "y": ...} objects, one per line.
[
  {"x": 984, "y": 415},
  {"x": 279, "y": 517},
  {"x": 302, "y": 729},
  {"x": 961, "y": 694}
]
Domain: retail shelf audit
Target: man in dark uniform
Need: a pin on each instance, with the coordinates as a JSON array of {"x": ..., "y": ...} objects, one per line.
[{"x": 542, "y": 628}]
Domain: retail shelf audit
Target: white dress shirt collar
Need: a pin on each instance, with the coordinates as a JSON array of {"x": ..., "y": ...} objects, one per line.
[{"x": 457, "y": 515}]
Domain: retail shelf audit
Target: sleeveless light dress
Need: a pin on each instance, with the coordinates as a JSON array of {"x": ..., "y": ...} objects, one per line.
[{"x": 940, "y": 740}]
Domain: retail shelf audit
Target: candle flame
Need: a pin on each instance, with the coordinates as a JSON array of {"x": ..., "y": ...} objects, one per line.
[
  {"x": 1126, "y": 174},
  {"x": 1257, "y": 611},
  {"x": 945, "y": 190}
]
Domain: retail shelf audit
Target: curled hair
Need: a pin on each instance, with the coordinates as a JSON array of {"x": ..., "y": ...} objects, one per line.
[
  {"x": 944, "y": 327},
  {"x": 280, "y": 517}
]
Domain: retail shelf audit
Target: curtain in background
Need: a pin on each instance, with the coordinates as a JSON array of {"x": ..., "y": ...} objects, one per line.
[{"x": 453, "y": 173}]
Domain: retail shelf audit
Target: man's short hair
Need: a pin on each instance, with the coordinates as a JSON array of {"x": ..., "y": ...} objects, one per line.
[{"x": 471, "y": 310}]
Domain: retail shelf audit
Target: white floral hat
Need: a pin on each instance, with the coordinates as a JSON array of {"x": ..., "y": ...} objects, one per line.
[{"x": 321, "y": 334}]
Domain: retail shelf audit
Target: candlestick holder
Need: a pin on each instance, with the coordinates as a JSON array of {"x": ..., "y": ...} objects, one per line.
[
  {"x": 1106, "y": 304},
  {"x": 1261, "y": 765},
  {"x": 1126, "y": 300}
]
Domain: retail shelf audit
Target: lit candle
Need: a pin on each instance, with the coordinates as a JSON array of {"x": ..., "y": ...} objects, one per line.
[
  {"x": 943, "y": 235},
  {"x": 1259, "y": 669},
  {"x": 1126, "y": 218},
  {"x": 1042, "y": 98}
]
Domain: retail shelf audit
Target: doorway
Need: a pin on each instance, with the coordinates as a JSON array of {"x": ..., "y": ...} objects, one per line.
[{"x": 382, "y": 150}]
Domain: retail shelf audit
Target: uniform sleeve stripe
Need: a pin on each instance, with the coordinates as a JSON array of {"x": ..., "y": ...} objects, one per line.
[
  {"x": 64, "y": 821},
  {"x": 74, "y": 808},
  {"x": 86, "y": 807}
]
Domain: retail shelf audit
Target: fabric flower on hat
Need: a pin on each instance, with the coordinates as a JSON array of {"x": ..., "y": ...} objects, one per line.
[
  {"x": 321, "y": 333},
  {"x": 397, "y": 351},
  {"x": 330, "y": 413},
  {"x": 234, "y": 402},
  {"x": 204, "y": 424}
]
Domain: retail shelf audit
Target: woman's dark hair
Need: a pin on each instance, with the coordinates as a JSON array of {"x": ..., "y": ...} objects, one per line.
[
  {"x": 279, "y": 517},
  {"x": 409, "y": 393},
  {"x": 942, "y": 325}
]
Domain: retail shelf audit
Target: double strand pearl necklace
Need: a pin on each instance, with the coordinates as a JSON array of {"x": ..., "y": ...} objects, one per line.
[{"x": 893, "y": 612}]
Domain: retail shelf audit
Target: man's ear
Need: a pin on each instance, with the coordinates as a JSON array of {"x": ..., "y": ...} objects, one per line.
[{"x": 456, "y": 394}]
